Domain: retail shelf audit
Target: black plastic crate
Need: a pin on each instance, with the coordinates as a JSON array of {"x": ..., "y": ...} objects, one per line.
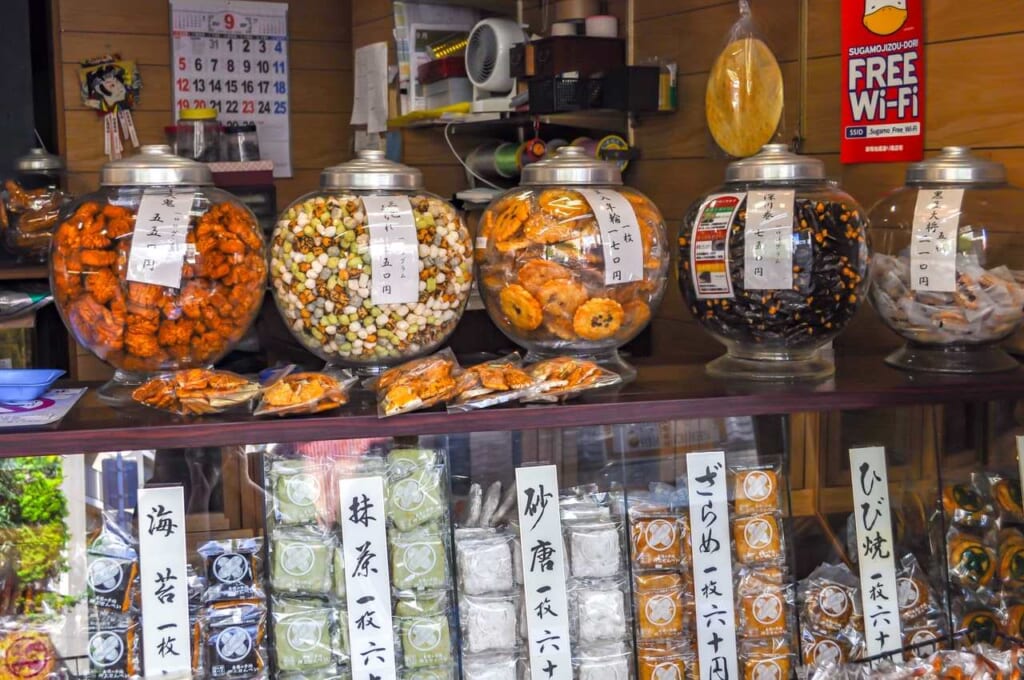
[{"x": 556, "y": 94}]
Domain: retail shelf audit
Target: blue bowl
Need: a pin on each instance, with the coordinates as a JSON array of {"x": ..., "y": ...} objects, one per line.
[{"x": 26, "y": 384}]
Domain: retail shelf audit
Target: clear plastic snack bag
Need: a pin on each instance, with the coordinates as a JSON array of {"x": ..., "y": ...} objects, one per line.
[
  {"x": 196, "y": 391},
  {"x": 286, "y": 392},
  {"x": 743, "y": 101},
  {"x": 417, "y": 384},
  {"x": 492, "y": 383},
  {"x": 563, "y": 378}
]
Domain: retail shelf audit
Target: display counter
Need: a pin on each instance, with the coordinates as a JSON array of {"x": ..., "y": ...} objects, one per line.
[{"x": 261, "y": 521}]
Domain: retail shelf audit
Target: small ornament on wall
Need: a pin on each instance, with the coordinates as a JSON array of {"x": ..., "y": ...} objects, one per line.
[{"x": 112, "y": 87}]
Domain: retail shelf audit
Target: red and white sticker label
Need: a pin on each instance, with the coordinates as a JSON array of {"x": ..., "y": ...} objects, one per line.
[{"x": 709, "y": 246}]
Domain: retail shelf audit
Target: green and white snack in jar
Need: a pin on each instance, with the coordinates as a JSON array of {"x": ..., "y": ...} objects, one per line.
[{"x": 371, "y": 270}]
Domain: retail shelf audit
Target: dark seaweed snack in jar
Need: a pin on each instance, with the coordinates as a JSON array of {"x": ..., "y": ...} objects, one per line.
[
  {"x": 371, "y": 270},
  {"x": 948, "y": 272},
  {"x": 774, "y": 265}
]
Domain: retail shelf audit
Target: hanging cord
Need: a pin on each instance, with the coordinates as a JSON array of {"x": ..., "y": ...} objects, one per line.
[{"x": 455, "y": 153}]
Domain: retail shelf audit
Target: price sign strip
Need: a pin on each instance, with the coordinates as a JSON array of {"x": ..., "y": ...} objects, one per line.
[
  {"x": 367, "y": 577},
  {"x": 712, "y": 565},
  {"x": 164, "y": 581},
  {"x": 709, "y": 246},
  {"x": 158, "y": 247},
  {"x": 394, "y": 250},
  {"x": 933, "y": 240},
  {"x": 873, "y": 519},
  {"x": 620, "y": 235},
  {"x": 768, "y": 240},
  {"x": 543, "y": 553},
  {"x": 232, "y": 56}
]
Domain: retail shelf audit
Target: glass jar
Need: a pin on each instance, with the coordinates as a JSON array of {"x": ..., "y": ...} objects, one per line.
[
  {"x": 239, "y": 143},
  {"x": 198, "y": 135},
  {"x": 773, "y": 264},
  {"x": 948, "y": 269},
  {"x": 32, "y": 201},
  {"x": 572, "y": 262},
  {"x": 371, "y": 270},
  {"x": 157, "y": 270}
]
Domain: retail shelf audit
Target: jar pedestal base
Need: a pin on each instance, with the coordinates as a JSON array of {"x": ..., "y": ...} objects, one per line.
[
  {"x": 773, "y": 366},
  {"x": 611, "y": 360},
  {"x": 118, "y": 390},
  {"x": 980, "y": 359}
]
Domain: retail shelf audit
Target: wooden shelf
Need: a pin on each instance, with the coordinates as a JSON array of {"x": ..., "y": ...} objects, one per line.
[
  {"x": 661, "y": 392},
  {"x": 477, "y": 123}
]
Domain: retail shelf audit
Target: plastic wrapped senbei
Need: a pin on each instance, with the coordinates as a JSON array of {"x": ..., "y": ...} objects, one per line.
[
  {"x": 947, "y": 271},
  {"x": 774, "y": 264}
]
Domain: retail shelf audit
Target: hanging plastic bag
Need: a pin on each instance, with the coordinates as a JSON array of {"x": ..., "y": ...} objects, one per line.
[{"x": 744, "y": 97}]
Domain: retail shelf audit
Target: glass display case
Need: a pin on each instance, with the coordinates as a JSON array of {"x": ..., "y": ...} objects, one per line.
[{"x": 491, "y": 543}]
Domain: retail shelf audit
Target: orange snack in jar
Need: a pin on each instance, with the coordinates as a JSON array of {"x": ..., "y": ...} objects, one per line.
[
  {"x": 591, "y": 253},
  {"x": 143, "y": 327}
]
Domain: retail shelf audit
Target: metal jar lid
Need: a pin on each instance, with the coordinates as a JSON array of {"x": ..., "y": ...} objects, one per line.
[
  {"x": 956, "y": 165},
  {"x": 371, "y": 170},
  {"x": 155, "y": 165},
  {"x": 775, "y": 163},
  {"x": 38, "y": 160},
  {"x": 571, "y": 166}
]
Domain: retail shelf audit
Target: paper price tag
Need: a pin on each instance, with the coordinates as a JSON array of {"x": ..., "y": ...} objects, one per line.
[
  {"x": 621, "y": 244},
  {"x": 394, "y": 250},
  {"x": 873, "y": 519},
  {"x": 933, "y": 240},
  {"x": 709, "y": 246},
  {"x": 1020, "y": 461},
  {"x": 163, "y": 575},
  {"x": 158, "y": 248},
  {"x": 768, "y": 240},
  {"x": 543, "y": 552},
  {"x": 712, "y": 565},
  {"x": 367, "y": 578}
]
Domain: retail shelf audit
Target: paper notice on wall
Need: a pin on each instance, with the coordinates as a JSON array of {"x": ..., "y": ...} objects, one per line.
[{"x": 370, "y": 94}]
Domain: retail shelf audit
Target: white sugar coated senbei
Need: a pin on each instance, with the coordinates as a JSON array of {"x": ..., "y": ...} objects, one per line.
[
  {"x": 321, "y": 272},
  {"x": 601, "y": 615},
  {"x": 488, "y": 624},
  {"x": 595, "y": 550},
  {"x": 485, "y": 564}
]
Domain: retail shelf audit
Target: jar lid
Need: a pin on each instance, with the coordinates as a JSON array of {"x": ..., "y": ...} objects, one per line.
[
  {"x": 198, "y": 114},
  {"x": 956, "y": 165},
  {"x": 371, "y": 170},
  {"x": 155, "y": 164},
  {"x": 775, "y": 163},
  {"x": 38, "y": 160},
  {"x": 571, "y": 165},
  {"x": 239, "y": 127}
]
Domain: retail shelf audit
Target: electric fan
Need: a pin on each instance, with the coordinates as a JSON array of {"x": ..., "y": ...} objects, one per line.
[{"x": 487, "y": 63}]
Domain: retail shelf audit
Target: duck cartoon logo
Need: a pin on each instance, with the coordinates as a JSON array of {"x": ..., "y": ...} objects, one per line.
[
  {"x": 882, "y": 111},
  {"x": 884, "y": 17}
]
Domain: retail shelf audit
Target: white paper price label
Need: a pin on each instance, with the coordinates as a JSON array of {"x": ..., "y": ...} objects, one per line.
[
  {"x": 367, "y": 577},
  {"x": 875, "y": 550},
  {"x": 1020, "y": 462},
  {"x": 621, "y": 243},
  {"x": 158, "y": 248},
  {"x": 712, "y": 565},
  {"x": 768, "y": 240},
  {"x": 163, "y": 572},
  {"x": 543, "y": 553},
  {"x": 709, "y": 246},
  {"x": 232, "y": 56},
  {"x": 933, "y": 240},
  {"x": 394, "y": 250}
]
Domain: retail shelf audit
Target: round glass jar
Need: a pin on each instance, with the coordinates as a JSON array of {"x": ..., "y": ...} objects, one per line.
[
  {"x": 774, "y": 265},
  {"x": 571, "y": 261},
  {"x": 157, "y": 270},
  {"x": 947, "y": 273},
  {"x": 32, "y": 201},
  {"x": 371, "y": 270}
]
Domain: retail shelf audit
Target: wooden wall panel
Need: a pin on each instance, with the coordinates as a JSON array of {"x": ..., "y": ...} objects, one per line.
[{"x": 320, "y": 56}]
